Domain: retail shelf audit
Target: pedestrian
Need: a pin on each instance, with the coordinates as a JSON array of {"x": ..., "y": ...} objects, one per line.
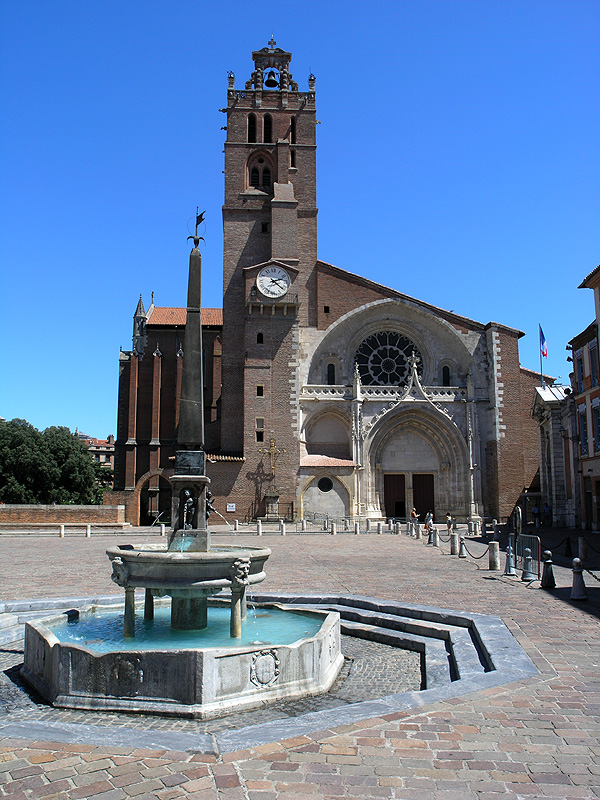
[
  {"x": 414, "y": 521},
  {"x": 536, "y": 515},
  {"x": 546, "y": 515},
  {"x": 428, "y": 521},
  {"x": 449, "y": 522}
]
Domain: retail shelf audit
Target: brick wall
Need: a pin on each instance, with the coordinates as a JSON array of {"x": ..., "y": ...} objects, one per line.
[{"x": 59, "y": 515}]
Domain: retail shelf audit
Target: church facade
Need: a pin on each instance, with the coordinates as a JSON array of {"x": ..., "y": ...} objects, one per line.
[{"x": 324, "y": 391}]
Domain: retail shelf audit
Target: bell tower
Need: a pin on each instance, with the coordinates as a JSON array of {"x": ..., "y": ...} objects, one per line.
[{"x": 270, "y": 237}]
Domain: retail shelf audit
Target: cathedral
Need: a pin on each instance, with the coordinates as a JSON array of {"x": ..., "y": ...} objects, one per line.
[{"x": 324, "y": 392}]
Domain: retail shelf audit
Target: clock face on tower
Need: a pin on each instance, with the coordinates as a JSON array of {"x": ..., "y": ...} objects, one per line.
[{"x": 273, "y": 282}]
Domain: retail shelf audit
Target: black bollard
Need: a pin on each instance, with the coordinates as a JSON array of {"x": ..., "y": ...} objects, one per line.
[
  {"x": 578, "y": 591},
  {"x": 548, "y": 581},
  {"x": 568, "y": 550}
]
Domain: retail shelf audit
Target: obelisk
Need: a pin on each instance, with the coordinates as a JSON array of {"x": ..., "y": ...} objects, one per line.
[{"x": 190, "y": 532}]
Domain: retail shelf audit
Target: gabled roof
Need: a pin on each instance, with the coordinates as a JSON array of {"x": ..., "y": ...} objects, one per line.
[
  {"x": 385, "y": 291},
  {"x": 165, "y": 315},
  {"x": 591, "y": 280}
]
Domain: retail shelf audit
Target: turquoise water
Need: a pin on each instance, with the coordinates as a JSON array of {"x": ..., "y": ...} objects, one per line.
[{"x": 102, "y": 631}]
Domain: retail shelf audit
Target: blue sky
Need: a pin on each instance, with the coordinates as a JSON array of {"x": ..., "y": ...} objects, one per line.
[{"x": 458, "y": 162}]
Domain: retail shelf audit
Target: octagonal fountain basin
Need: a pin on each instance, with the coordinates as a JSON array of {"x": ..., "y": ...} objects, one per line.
[{"x": 79, "y": 660}]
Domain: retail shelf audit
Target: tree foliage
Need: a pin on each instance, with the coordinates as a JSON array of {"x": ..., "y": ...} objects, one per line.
[{"x": 51, "y": 466}]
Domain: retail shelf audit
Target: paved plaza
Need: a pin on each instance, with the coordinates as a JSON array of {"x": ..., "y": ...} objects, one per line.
[{"x": 535, "y": 738}]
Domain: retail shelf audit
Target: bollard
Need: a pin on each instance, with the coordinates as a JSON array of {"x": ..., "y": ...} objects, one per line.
[
  {"x": 509, "y": 568},
  {"x": 258, "y": 527},
  {"x": 548, "y": 581},
  {"x": 582, "y": 548},
  {"x": 568, "y": 548},
  {"x": 419, "y": 533},
  {"x": 333, "y": 529},
  {"x": 163, "y": 529},
  {"x": 483, "y": 528},
  {"x": 236, "y": 525},
  {"x": 454, "y": 544},
  {"x": 528, "y": 574},
  {"x": 326, "y": 524},
  {"x": 303, "y": 525},
  {"x": 61, "y": 531},
  {"x": 430, "y": 537},
  {"x": 346, "y": 524},
  {"x": 454, "y": 524},
  {"x": 462, "y": 552},
  {"x": 494, "y": 556},
  {"x": 578, "y": 591},
  {"x": 88, "y": 531},
  {"x": 408, "y": 528},
  {"x": 368, "y": 526},
  {"x": 391, "y": 525},
  {"x": 470, "y": 527},
  {"x": 436, "y": 538},
  {"x": 356, "y": 528},
  {"x": 398, "y": 528},
  {"x": 282, "y": 528},
  {"x": 495, "y": 527},
  {"x": 476, "y": 527},
  {"x": 380, "y": 527}
]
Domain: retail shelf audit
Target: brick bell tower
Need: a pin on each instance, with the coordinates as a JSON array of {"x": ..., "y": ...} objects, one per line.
[{"x": 269, "y": 256}]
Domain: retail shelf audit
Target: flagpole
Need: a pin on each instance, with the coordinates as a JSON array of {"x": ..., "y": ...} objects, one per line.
[{"x": 541, "y": 337}]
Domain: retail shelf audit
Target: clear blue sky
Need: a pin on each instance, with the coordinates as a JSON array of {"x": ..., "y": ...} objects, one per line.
[{"x": 458, "y": 162}]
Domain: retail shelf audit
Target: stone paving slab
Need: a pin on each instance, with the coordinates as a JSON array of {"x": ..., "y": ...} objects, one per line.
[{"x": 536, "y": 738}]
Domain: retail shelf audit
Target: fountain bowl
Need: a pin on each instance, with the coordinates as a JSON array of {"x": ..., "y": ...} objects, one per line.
[{"x": 193, "y": 682}]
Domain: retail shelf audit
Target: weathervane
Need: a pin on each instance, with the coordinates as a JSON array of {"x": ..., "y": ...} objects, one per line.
[{"x": 199, "y": 221}]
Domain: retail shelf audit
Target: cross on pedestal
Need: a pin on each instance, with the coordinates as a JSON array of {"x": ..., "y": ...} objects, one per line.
[{"x": 272, "y": 451}]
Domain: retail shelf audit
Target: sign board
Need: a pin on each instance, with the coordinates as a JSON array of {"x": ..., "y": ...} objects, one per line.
[{"x": 230, "y": 506}]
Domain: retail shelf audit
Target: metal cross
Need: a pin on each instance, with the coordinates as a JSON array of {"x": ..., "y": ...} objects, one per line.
[
  {"x": 272, "y": 42},
  {"x": 273, "y": 451}
]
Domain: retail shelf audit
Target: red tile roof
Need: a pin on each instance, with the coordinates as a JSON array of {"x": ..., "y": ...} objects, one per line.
[
  {"x": 163, "y": 315},
  {"x": 325, "y": 461}
]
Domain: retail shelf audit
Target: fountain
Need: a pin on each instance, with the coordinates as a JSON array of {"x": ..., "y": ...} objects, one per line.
[{"x": 184, "y": 679}]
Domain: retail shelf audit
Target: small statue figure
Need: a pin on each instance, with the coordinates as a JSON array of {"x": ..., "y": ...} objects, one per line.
[
  {"x": 209, "y": 505},
  {"x": 187, "y": 509}
]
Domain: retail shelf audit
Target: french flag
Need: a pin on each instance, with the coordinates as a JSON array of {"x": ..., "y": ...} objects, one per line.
[{"x": 543, "y": 345}]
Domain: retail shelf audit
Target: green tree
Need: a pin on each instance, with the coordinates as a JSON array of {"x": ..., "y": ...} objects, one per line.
[{"x": 53, "y": 466}]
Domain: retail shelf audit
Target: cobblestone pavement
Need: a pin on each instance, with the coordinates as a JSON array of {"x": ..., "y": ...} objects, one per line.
[{"x": 538, "y": 738}]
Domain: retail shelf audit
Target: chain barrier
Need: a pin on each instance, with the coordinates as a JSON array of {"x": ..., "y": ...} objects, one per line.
[
  {"x": 444, "y": 538},
  {"x": 476, "y": 557},
  {"x": 592, "y": 547}
]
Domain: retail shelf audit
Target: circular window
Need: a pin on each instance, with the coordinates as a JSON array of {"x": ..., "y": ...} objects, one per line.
[
  {"x": 382, "y": 359},
  {"x": 325, "y": 484}
]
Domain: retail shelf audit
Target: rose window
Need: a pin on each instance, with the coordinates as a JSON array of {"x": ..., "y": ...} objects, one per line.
[{"x": 383, "y": 359}]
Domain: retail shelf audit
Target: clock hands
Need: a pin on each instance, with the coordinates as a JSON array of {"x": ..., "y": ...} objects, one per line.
[{"x": 278, "y": 282}]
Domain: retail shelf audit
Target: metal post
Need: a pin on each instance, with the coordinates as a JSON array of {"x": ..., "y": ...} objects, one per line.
[
  {"x": 61, "y": 531},
  {"x": 380, "y": 527},
  {"x": 88, "y": 531},
  {"x": 236, "y": 525},
  {"x": 163, "y": 529},
  {"x": 509, "y": 568},
  {"x": 462, "y": 552},
  {"x": 528, "y": 574},
  {"x": 333, "y": 529},
  {"x": 578, "y": 591},
  {"x": 454, "y": 544},
  {"x": 282, "y": 528},
  {"x": 258, "y": 527},
  {"x": 357, "y": 528},
  {"x": 494, "y": 555},
  {"x": 548, "y": 580}
]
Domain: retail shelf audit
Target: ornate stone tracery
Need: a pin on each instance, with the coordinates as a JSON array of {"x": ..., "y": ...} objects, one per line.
[{"x": 383, "y": 359}]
